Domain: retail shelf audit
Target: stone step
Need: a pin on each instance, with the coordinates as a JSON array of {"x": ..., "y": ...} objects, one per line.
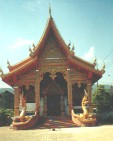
[{"x": 56, "y": 122}]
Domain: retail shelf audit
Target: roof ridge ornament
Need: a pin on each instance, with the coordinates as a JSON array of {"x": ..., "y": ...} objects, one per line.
[
  {"x": 1, "y": 72},
  {"x": 50, "y": 10},
  {"x": 95, "y": 61},
  {"x": 69, "y": 44},
  {"x": 34, "y": 47},
  {"x": 8, "y": 64},
  {"x": 31, "y": 52},
  {"x": 73, "y": 48},
  {"x": 103, "y": 69}
]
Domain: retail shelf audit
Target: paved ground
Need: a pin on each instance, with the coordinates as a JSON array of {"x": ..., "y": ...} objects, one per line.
[{"x": 100, "y": 133}]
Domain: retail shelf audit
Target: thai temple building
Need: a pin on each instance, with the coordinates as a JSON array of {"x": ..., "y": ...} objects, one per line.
[{"x": 52, "y": 78}]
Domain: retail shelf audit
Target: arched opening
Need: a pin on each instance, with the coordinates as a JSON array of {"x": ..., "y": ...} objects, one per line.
[
  {"x": 53, "y": 90},
  {"x": 59, "y": 80},
  {"x": 27, "y": 98},
  {"x": 29, "y": 93}
]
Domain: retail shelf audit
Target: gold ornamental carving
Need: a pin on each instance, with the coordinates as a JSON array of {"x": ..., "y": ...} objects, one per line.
[
  {"x": 52, "y": 49},
  {"x": 52, "y": 54},
  {"x": 53, "y": 70},
  {"x": 78, "y": 77},
  {"x": 28, "y": 78}
]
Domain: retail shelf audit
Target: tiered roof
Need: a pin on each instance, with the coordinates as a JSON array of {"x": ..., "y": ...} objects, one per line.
[{"x": 31, "y": 61}]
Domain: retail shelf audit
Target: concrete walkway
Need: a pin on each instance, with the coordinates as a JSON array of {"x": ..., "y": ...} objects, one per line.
[{"x": 100, "y": 133}]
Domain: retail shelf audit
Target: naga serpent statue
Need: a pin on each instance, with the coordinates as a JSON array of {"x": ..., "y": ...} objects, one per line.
[
  {"x": 85, "y": 104},
  {"x": 24, "y": 122},
  {"x": 85, "y": 118},
  {"x": 23, "y": 99}
]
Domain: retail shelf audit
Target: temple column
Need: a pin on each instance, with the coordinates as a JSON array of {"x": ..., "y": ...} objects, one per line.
[
  {"x": 69, "y": 87},
  {"x": 45, "y": 106},
  {"x": 62, "y": 105},
  {"x": 37, "y": 91},
  {"x": 16, "y": 101},
  {"x": 89, "y": 91}
]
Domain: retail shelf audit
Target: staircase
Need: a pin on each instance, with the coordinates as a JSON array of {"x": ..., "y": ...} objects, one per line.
[{"x": 56, "y": 122}]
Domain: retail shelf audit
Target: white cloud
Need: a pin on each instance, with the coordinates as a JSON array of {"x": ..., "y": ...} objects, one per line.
[
  {"x": 20, "y": 42},
  {"x": 90, "y": 55}
]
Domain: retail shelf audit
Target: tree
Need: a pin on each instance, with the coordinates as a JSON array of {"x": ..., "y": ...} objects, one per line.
[
  {"x": 111, "y": 95},
  {"x": 7, "y": 100},
  {"x": 102, "y": 98}
]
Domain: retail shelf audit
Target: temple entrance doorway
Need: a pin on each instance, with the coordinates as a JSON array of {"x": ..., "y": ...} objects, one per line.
[
  {"x": 54, "y": 90},
  {"x": 53, "y": 105}
]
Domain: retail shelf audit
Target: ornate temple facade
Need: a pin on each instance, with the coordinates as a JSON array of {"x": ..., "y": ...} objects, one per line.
[{"x": 52, "y": 78}]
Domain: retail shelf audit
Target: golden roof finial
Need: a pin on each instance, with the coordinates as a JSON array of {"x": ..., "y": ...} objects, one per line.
[
  {"x": 31, "y": 52},
  {"x": 34, "y": 47},
  {"x": 1, "y": 71},
  {"x": 8, "y": 64},
  {"x": 50, "y": 10},
  {"x": 95, "y": 61},
  {"x": 73, "y": 47},
  {"x": 69, "y": 44},
  {"x": 103, "y": 68}
]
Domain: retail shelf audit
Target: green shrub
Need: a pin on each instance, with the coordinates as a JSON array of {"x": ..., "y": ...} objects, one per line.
[
  {"x": 5, "y": 116},
  {"x": 102, "y": 99}
]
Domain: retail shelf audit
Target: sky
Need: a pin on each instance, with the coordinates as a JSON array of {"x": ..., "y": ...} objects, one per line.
[{"x": 88, "y": 24}]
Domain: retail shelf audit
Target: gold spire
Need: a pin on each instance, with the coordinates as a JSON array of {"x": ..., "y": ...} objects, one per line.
[{"x": 50, "y": 10}]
